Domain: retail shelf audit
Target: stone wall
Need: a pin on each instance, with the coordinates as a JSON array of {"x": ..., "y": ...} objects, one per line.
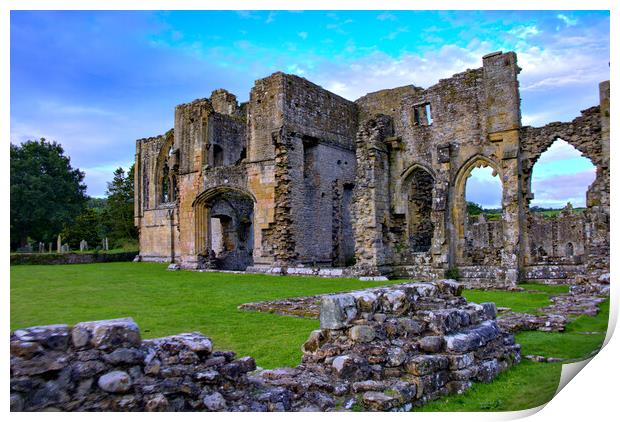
[
  {"x": 376, "y": 186},
  {"x": 70, "y": 258},
  {"x": 388, "y": 348}
]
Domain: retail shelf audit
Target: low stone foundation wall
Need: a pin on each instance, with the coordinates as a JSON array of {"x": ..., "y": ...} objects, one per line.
[
  {"x": 71, "y": 258},
  {"x": 388, "y": 348}
]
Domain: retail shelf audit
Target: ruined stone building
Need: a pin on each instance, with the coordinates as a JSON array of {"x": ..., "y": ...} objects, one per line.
[{"x": 301, "y": 181}]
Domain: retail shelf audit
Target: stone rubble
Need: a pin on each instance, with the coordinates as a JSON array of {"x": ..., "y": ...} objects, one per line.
[
  {"x": 582, "y": 299},
  {"x": 387, "y": 348}
]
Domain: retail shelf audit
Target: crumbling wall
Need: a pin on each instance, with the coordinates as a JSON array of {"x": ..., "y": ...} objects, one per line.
[
  {"x": 588, "y": 233},
  {"x": 379, "y": 183},
  {"x": 105, "y": 366},
  {"x": 157, "y": 221},
  {"x": 382, "y": 349},
  {"x": 314, "y": 160},
  {"x": 483, "y": 241},
  {"x": 469, "y": 119}
]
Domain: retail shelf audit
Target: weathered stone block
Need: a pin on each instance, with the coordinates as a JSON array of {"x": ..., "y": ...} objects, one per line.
[
  {"x": 431, "y": 344},
  {"x": 426, "y": 364},
  {"x": 214, "y": 402},
  {"x": 106, "y": 334},
  {"x": 115, "y": 382},
  {"x": 55, "y": 337},
  {"x": 362, "y": 333},
  {"x": 337, "y": 311},
  {"x": 376, "y": 400}
]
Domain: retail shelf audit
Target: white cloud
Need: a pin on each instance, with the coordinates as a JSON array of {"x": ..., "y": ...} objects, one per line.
[
  {"x": 556, "y": 191},
  {"x": 303, "y": 35},
  {"x": 567, "y": 21},
  {"x": 271, "y": 17},
  {"x": 379, "y": 71},
  {"x": 385, "y": 16},
  {"x": 396, "y": 32},
  {"x": 523, "y": 32}
]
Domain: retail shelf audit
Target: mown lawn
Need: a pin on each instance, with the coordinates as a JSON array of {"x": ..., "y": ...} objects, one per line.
[{"x": 165, "y": 303}]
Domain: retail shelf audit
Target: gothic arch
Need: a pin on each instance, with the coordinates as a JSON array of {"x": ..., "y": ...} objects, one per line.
[
  {"x": 165, "y": 172},
  {"x": 418, "y": 187},
  {"x": 459, "y": 204},
  {"x": 223, "y": 227}
]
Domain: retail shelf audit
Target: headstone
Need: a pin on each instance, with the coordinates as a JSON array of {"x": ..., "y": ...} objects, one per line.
[
  {"x": 83, "y": 245},
  {"x": 65, "y": 248},
  {"x": 41, "y": 247},
  {"x": 59, "y": 244},
  {"x": 50, "y": 250},
  {"x": 105, "y": 244}
]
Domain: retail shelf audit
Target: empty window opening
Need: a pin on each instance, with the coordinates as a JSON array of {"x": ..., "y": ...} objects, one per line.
[
  {"x": 429, "y": 117},
  {"x": 422, "y": 115},
  {"x": 420, "y": 205},
  {"x": 218, "y": 156},
  {"x": 570, "y": 250},
  {"x": 561, "y": 175},
  {"x": 165, "y": 184}
]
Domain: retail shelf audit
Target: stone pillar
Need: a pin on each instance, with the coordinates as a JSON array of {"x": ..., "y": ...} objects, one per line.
[
  {"x": 440, "y": 248},
  {"x": 371, "y": 195},
  {"x": 503, "y": 122},
  {"x": 59, "y": 244}
]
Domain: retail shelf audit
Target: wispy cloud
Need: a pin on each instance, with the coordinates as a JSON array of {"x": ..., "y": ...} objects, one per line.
[
  {"x": 524, "y": 31},
  {"x": 567, "y": 21},
  {"x": 386, "y": 16},
  {"x": 122, "y": 73}
]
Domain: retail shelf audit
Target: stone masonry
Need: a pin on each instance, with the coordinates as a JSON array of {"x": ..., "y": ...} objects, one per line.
[
  {"x": 387, "y": 348},
  {"x": 298, "y": 180}
]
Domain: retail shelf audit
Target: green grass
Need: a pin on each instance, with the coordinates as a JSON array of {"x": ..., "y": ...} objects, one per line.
[
  {"x": 518, "y": 302},
  {"x": 527, "y": 385},
  {"x": 591, "y": 324},
  {"x": 546, "y": 288},
  {"x": 165, "y": 303}
]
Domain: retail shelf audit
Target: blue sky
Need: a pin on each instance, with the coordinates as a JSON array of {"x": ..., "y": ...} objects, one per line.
[{"x": 96, "y": 81}]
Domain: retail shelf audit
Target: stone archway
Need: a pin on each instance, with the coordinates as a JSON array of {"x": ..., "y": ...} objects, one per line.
[
  {"x": 459, "y": 206},
  {"x": 224, "y": 229},
  {"x": 418, "y": 186}
]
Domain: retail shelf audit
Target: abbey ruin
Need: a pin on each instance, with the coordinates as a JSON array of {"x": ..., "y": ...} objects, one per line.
[{"x": 301, "y": 181}]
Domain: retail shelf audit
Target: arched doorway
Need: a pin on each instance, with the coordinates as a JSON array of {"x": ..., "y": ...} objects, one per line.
[
  {"x": 419, "y": 184},
  {"x": 224, "y": 229},
  {"x": 477, "y": 237}
]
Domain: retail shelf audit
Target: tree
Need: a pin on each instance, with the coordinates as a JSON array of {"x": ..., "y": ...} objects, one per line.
[
  {"x": 119, "y": 210},
  {"x": 474, "y": 209},
  {"x": 46, "y": 192},
  {"x": 85, "y": 227}
]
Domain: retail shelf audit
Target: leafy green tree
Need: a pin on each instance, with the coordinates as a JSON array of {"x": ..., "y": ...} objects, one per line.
[
  {"x": 119, "y": 210},
  {"x": 474, "y": 209},
  {"x": 46, "y": 192},
  {"x": 85, "y": 227}
]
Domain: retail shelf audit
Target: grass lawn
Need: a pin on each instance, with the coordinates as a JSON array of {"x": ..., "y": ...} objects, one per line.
[{"x": 165, "y": 303}]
